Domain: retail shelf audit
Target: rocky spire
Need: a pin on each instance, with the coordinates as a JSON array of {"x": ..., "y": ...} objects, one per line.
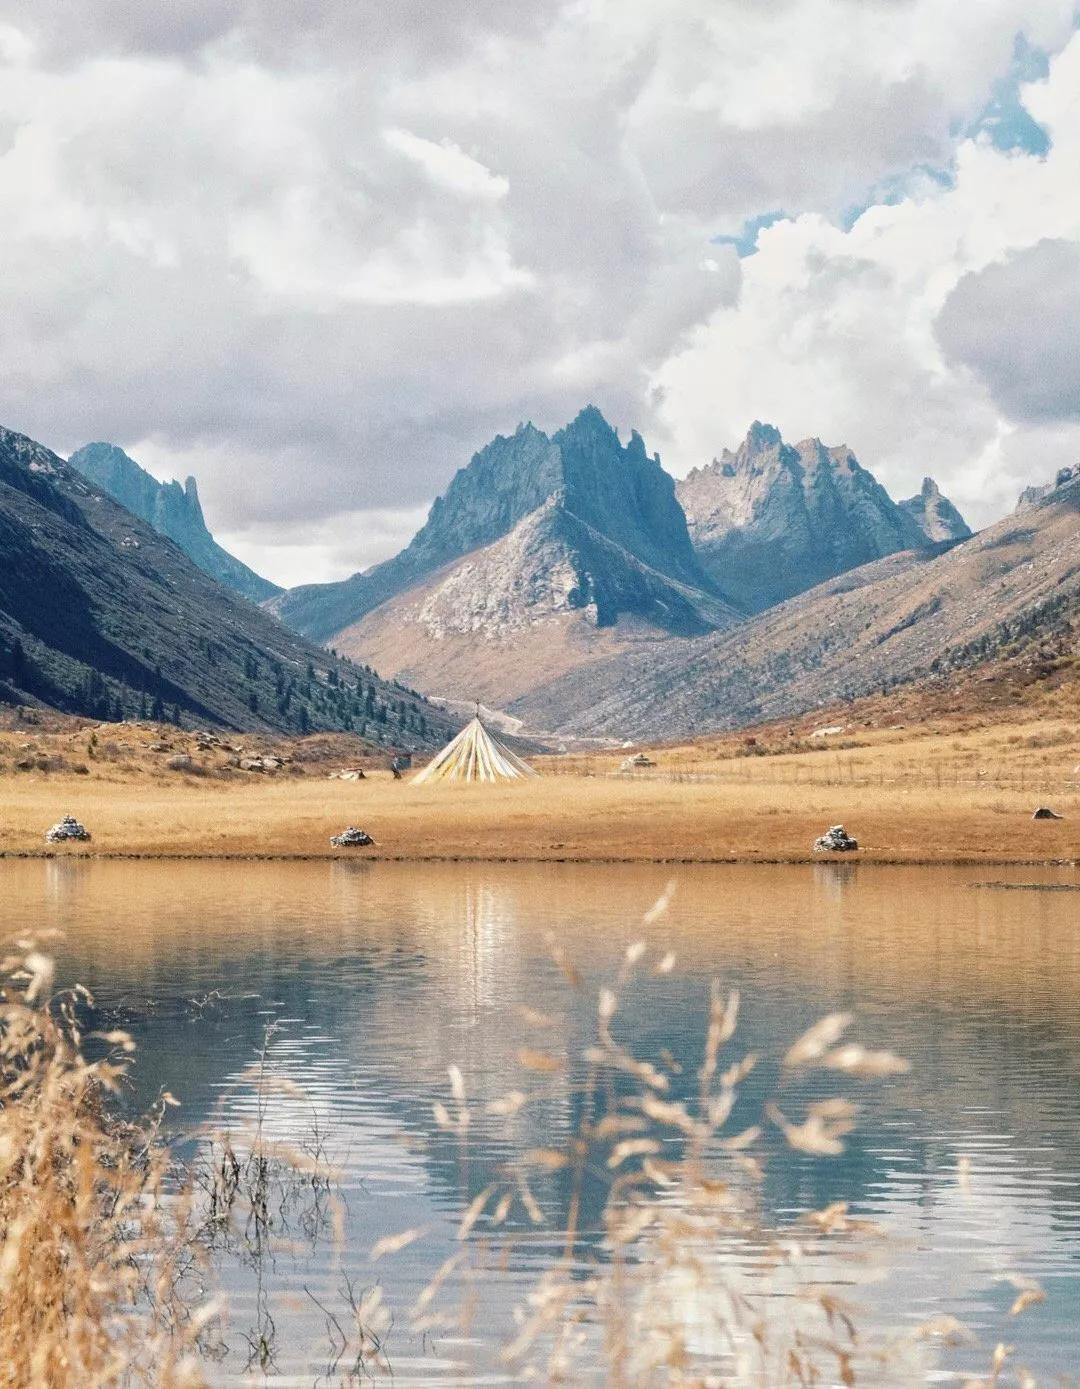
[{"x": 935, "y": 515}]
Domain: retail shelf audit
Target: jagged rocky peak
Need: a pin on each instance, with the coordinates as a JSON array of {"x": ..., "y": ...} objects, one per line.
[
  {"x": 773, "y": 519},
  {"x": 625, "y": 495},
  {"x": 617, "y": 489},
  {"x": 935, "y": 515},
  {"x": 1032, "y": 496},
  {"x": 172, "y": 510},
  {"x": 503, "y": 482}
]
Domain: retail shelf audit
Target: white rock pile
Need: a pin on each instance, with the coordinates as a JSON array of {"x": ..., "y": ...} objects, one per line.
[
  {"x": 65, "y": 829},
  {"x": 836, "y": 841},
  {"x": 351, "y": 838}
]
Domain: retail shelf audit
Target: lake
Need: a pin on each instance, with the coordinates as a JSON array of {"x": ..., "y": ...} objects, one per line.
[{"x": 359, "y": 985}]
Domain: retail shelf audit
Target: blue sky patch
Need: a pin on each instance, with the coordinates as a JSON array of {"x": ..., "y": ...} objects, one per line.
[
  {"x": 1005, "y": 120},
  {"x": 745, "y": 241}
]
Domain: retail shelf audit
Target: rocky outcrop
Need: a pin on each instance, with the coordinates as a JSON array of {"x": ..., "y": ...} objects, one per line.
[
  {"x": 771, "y": 520},
  {"x": 935, "y": 515},
  {"x": 1031, "y": 496},
  {"x": 172, "y": 510}
]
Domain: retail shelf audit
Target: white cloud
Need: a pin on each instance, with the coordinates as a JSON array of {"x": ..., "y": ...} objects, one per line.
[
  {"x": 447, "y": 166},
  {"x": 312, "y": 552},
  {"x": 1014, "y": 324},
  {"x": 836, "y": 332},
  {"x": 318, "y": 255}
]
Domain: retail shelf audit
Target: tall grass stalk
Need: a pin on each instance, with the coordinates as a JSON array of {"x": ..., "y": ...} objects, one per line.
[
  {"x": 685, "y": 1284},
  {"x": 93, "y": 1258}
]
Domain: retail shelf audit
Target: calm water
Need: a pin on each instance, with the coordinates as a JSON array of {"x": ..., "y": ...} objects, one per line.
[{"x": 376, "y": 977}]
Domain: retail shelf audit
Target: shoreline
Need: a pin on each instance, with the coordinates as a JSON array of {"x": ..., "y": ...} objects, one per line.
[{"x": 738, "y": 860}]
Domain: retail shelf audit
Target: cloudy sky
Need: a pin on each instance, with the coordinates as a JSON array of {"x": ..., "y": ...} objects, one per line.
[{"x": 317, "y": 253}]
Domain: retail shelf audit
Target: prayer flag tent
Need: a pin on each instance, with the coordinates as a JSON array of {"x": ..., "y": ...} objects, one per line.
[{"x": 475, "y": 754}]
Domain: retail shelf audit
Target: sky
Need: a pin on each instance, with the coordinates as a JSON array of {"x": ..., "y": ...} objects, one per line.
[{"x": 317, "y": 254}]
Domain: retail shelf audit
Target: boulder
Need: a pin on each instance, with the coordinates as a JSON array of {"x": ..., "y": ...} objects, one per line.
[
  {"x": 836, "y": 841},
  {"x": 1045, "y": 813},
  {"x": 351, "y": 838},
  {"x": 65, "y": 829}
]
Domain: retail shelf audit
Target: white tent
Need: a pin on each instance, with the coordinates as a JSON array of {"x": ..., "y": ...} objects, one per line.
[{"x": 475, "y": 755}]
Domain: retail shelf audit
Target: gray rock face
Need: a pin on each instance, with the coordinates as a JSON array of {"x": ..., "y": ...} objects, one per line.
[
  {"x": 553, "y": 563},
  {"x": 172, "y": 510},
  {"x": 1031, "y": 496},
  {"x": 772, "y": 520},
  {"x": 611, "y": 502},
  {"x": 935, "y": 515}
]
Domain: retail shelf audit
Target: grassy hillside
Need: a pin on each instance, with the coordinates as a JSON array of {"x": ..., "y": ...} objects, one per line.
[
  {"x": 100, "y": 615},
  {"x": 1010, "y": 593}
]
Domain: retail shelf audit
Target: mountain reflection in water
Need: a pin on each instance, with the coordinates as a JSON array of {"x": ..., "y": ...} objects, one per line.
[{"x": 376, "y": 977}]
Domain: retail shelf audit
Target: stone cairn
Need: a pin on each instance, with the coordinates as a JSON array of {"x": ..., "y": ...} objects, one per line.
[
  {"x": 67, "y": 828},
  {"x": 351, "y": 838},
  {"x": 836, "y": 840}
]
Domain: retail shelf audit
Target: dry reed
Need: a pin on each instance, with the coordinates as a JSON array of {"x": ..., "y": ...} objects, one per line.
[
  {"x": 93, "y": 1259},
  {"x": 685, "y": 1285}
]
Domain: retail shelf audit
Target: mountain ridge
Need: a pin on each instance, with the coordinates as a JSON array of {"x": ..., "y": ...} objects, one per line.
[
  {"x": 772, "y": 519},
  {"x": 618, "y": 489},
  {"x": 170, "y": 509},
  {"x": 101, "y": 615},
  {"x": 588, "y": 551},
  {"x": 912, "y": 615}
]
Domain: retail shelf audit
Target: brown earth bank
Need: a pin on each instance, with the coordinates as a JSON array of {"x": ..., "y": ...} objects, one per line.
[{"x": 946, "y": 788}]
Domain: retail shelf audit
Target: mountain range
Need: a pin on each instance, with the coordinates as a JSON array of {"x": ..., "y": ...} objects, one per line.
[
  {"x": 565, "y": 578},
  {"x": 548, "y": 554},
  {"x": 171, "y": 510},
  {"x": 916, "y": 615},
  {"x": 543, "y": 554},
  {"x": 102, "y": 615}
]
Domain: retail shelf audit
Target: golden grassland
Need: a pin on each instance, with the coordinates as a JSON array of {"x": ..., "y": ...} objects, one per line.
[{"x": 951, "y": 788}]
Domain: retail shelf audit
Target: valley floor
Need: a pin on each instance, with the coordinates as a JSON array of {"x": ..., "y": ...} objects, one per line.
[{"x": 951, "y": 792}]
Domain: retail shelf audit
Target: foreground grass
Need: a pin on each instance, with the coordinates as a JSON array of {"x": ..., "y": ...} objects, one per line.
[
  {"x": 90, "y": 1263},
  {"x": 95, "y": 1239}
]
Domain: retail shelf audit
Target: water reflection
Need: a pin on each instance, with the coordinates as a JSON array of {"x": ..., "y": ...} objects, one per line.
[{"x": 376, "y": 977}]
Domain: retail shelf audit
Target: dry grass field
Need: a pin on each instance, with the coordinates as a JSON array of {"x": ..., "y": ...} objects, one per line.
[{"x": 947, "y": 789}]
